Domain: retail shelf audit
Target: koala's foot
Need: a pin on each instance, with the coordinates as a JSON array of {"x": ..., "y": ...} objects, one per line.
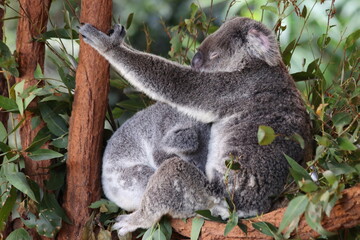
[
  {"x": 129, "y": 223},
  {"x": 99, "y": 40}
]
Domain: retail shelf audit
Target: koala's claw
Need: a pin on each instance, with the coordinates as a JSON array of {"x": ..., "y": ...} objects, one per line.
[
  {"x": 118, "y": 30},
  {"x": 122, "y": 225},
  {"x": 111, "y": 31}
]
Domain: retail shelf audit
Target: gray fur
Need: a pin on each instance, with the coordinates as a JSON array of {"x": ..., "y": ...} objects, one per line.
[
  {"x": 237, "y": 82},
  {"x": 142, "y": 144}
]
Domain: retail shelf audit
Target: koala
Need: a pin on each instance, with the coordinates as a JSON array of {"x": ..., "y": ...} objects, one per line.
[
  {"x": 237, "y": 82},
  {"x": 142, "y": 144}
]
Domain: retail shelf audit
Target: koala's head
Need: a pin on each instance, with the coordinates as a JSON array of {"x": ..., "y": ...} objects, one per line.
[{"x": 235, "y": 43}]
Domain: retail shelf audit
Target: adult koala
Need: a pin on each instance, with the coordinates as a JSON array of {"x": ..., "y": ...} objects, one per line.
[{"x": 237, "y": 82}]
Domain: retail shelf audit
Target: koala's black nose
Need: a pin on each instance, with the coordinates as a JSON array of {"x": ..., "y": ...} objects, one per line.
[{"x": 197, "y": 60}]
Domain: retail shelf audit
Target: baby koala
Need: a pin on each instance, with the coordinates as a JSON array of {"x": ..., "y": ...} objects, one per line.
[{"x": 161, "y": 140}]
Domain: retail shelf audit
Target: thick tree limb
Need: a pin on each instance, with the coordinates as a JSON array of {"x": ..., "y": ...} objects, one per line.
[{"x": 344, "y": 215}]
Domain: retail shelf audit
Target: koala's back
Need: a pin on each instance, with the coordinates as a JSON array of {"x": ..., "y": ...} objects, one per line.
[{"x": 141, "y": 144}]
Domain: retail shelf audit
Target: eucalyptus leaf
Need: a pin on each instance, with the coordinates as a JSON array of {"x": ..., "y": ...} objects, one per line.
[
  {"x": 19, "y": 234},
  {"x": 7, "y": 207},
  {"x": 18, "y": 180},
  {"x": 297, "y": 171},
  {"x": 313, "y": 218},
  {"x": 268, "y": 229},
  {"x": 346, "y": 144},
  {"x": 8, "y": 104},
  {"x": 196, "y": 226},
  {"x": 55, "y": 123},
  {"x": 232, "y": 222},
  {"x": 44, "y": 154},
  {"x": 129, "y": 20},
  {"x": 295, "y": 208},
  {"x": 265, "y": 135}
]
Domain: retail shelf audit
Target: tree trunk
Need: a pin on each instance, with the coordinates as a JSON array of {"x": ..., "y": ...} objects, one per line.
[
  {"x": 3, "y": 84},
  {"x": 344, "y": 215},
  {"x": 86, "y": 126},
  {"x": 32, "y": 22}
]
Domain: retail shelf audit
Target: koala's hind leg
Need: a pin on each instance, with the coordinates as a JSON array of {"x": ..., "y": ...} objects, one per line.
[
  {"x": 177, "y": 189},
  {"x": 125, "y": 186}
]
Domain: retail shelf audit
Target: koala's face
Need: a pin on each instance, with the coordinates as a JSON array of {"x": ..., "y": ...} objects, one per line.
[{"x": 236, "y": 42}]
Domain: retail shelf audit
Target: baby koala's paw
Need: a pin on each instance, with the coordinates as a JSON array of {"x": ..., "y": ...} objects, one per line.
[{"x": 124, "y": 225}]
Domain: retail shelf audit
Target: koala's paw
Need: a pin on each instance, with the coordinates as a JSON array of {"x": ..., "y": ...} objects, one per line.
[
  {"x": 124, "y": 225},
  {"x": 118, "y": 32},
  {"x": 94, "y": 37}
]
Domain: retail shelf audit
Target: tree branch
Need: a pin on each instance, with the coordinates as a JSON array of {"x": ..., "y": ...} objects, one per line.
[{"x": 344, "y": 215}]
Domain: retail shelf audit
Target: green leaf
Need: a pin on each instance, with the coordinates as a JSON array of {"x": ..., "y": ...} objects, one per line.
[
  {"x": 60, "y": 142},
  {"x": 129, "y": 20},
  {"x": 194, "y": 9},
  {"x": 232, "y": 222},
  {"x": 4, "y": 148},
  {"x": 38, "y": 74},
  {"x": 207, "y": 214},
  {"x": 158, "y": 235},
  {"x": 35, "y": 122},
  {"x": 352, "y": 38},
  {"x": 231, "y": 164},
  {"x": 18, "y": 180},
  {"x": 267, "y": 229},
  {"x": 3, "y": 133},
  {"x": 19, "y": 234},
  {"x": 313, "y": 219},
  {"x": 346, "y": 144},
  {"x": 303, "y": 76},
  {"x": 44, "y": 154},
  {"x": 56, "y": 180},
  {"x": 197, "y": 223},
  {"x": 165, "y": 227},
  {"x": 104, "y": 203},
  {"x": 55, "y": 123},
  {"x": 49, "y": 202},
  {"x": 58, "y": 33},
  {"x": 288, "y": 52},
  {"x": 48, "y": 224},
  {"x": 297, "y": 171},
  {"x": 7, "y": 207},
  {"x": 308, "y": 186},
  {"x": 299, "y": 139},
  {"x": 8, "y": 104},
  {"x": 304, "y": 12},
  {"x": 39, "y": 140},
  {"x": 330, "y": 177},
  {"x": 295, "y": 208},
  {"x": 265, "y": 135},
  {"x": 270, "y": 8},
  {"x": 148, "y": 235},
  {"x": 340, "y": 168},
  {"x": 340, "y": 120}
]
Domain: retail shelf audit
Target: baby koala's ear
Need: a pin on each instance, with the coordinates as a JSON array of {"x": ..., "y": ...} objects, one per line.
[{"x": 264, "y": 47}]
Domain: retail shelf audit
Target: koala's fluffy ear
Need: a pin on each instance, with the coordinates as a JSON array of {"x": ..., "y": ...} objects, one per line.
[{"x": 263, "y": 47}]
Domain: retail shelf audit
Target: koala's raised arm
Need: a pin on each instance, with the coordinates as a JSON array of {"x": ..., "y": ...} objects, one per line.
[{"x": 215, "y": 68}]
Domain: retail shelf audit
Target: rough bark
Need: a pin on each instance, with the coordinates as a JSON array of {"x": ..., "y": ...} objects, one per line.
[
  {"x": 3, "y": 84},
  {"x": 86, "y": 125},
  {"x": 32, "y": 22},
  {"x": 344, "y": 215}
]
